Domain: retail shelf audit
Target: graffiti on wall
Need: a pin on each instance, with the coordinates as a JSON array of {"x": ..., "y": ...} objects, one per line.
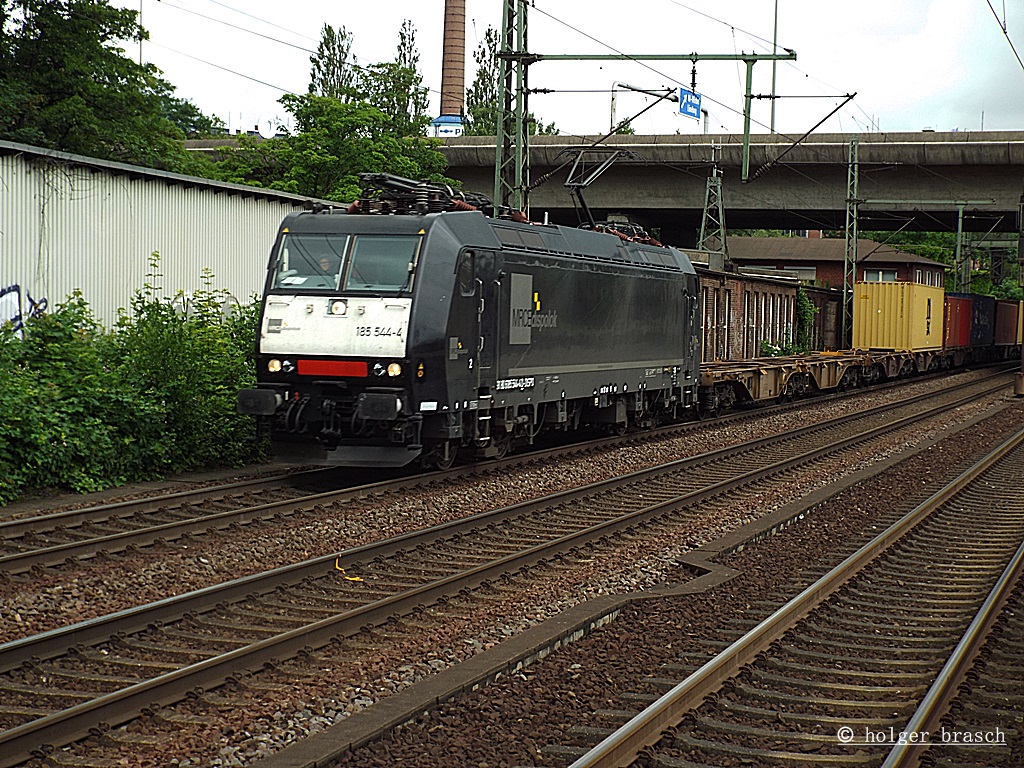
[{"x": 14, "y": 310}]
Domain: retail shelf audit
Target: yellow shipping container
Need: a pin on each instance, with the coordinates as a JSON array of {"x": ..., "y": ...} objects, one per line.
[{"x": 897, "y": 316}]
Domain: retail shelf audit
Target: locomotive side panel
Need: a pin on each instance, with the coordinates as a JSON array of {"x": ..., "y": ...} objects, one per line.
[
  {"x": 573, "y": 328},
  {"x": 442, "y": 316}
]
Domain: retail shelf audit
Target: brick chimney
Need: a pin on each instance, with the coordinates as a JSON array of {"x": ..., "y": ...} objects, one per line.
[{"x": 453, "y": 64}]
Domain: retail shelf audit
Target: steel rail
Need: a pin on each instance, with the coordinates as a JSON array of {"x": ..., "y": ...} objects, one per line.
[
  {"x": 77, "y": 721},
  {"x": 13, "y": 528},
  {"x": 928, "y": 716},
  {"x": 55, "y": 642},
  {"x": 119, "y": 542},
  {"x": 625, "y": 744},
  {"x": 70, "y": 517}
]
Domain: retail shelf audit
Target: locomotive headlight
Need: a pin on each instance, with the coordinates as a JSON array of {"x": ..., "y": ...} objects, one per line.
[
  {"x": 287, "y": 366},
  {"x": 395, "y": 369},
  {"x": 338, "y": 307},
  {"x": 378, "y": 369},
  {"x": 274, "y": 365}
]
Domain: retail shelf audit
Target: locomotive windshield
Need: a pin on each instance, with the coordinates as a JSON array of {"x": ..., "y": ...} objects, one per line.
[
  {"x": 382, "y": 263},
  {"x": 310, "y": 261},
  {"x": 327, "y": 262}
]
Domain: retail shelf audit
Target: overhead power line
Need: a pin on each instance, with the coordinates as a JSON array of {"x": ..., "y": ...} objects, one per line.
[
  {"x": 218, "y": 66},
  {"x": 257, "y": 34},
  {"x": 262, "y": 21},
  {"x": 1002, "y": 26}
]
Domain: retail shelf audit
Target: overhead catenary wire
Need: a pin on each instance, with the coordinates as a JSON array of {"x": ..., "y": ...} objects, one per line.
[
  {"x": 1006, "y": 34},
  {"x": 235, "y": 26},
  {"x": 662, "y": 74},
  {"x": 299, "y": 47},
  {"x": 280, "y": 88},
  {"x": 848, "y": 97},
  {"x": 270, "y": 38},
  {"x": 770, "y": 44},
  {"x": 261, "y": 20}
]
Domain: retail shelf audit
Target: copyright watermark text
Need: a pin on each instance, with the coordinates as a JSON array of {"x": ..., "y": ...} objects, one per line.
[{"x": 889, "y": 737}]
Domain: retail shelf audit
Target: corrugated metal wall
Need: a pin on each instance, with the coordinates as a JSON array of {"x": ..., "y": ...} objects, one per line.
[{"x": 65, "y": 226}]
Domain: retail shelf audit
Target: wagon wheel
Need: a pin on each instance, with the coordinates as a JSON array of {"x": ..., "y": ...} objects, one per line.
[
  {"x": 441, "y": 456},
  {"x": 501, "y": 444},
  {"x": 710, "y": 410},
  {"x": 788, "y": 393}
]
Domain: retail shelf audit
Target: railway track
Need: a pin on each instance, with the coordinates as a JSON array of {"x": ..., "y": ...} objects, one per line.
[
  {"x": 874, "y": 649},
  {"x": 991, "y": 698},
  {"x": 74, "y": 535},
  {"x": 160, "y": 652}
]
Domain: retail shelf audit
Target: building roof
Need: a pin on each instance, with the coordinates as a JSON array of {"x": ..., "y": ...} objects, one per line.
[
  {"x": 793, "y": 250},
  {"x": 137, "y": 171}
]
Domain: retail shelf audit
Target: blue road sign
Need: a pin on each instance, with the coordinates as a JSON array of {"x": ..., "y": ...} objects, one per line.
[
  {"x": 446, "y": 126},
  {"x": 689, "y": 104}
]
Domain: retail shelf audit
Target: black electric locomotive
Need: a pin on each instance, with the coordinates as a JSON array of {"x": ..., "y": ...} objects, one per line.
[{"x": 411, "y": 326}]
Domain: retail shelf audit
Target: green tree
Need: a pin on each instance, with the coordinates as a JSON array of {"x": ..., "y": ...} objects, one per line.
[
  {"x": 72, "y": 420},
  {"x": 335, "y": 141},
  {"x": 334, "y": 71},
  {"x": 66, "y": 84},
  {"x": 193, "y": 363},
  {"x": 482, "y": 96},
  {"x": 1009, "y": 288},
  {"x": 482, "y": 106},
  {"x": 187, "y": 117},
  {"x": 396, "y": 88}
]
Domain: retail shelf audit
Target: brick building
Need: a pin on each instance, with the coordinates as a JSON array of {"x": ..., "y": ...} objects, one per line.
[{"x": 819, "y": 261}]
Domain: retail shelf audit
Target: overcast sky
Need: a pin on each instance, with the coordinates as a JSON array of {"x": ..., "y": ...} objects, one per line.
[{"x": 913, "y": 64}]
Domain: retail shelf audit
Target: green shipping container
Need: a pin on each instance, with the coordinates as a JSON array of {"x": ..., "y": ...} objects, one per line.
[{"x": 904, "y": 317}]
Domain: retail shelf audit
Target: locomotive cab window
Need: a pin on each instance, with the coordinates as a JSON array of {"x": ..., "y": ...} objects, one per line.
[
  {"x": 310, "y": 261},
  {"x": 382, "y": 263},
  {"x": 467, "y": 284}
]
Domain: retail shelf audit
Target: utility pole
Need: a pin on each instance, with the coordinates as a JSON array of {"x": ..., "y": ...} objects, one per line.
[
  {"x": 512, "y": 143},
  {"x": 852, "y": 238},
  {"x": 962, "y": 259},
  {"x": 775, "y": 49},
  {"x": 713, "y": 235}
]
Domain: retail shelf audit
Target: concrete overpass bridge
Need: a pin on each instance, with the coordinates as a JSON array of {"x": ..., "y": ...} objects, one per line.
[{"x": 919, "y": 181}]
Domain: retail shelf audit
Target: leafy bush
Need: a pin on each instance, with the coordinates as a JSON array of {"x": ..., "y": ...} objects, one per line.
[
  {"x": 805, "y": 312},
  {"x": 71, "y": 420},
  {"x": 87, "y": 409},
  {"x": 192, "y": 362}
]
